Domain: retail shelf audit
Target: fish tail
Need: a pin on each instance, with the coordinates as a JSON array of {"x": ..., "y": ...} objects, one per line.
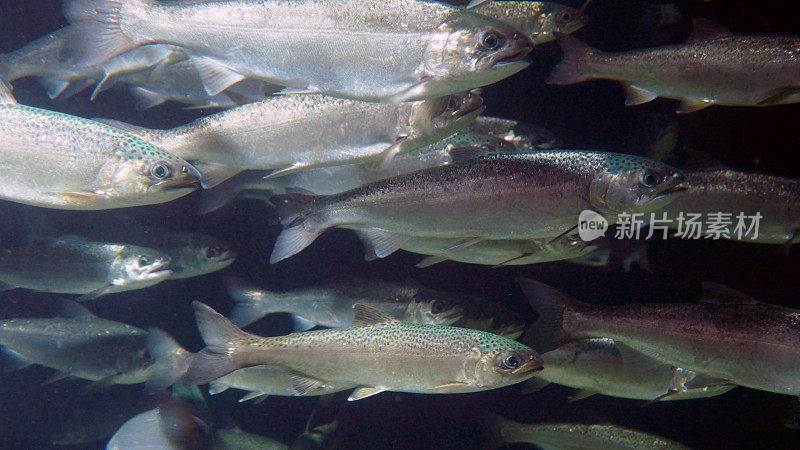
[
  {"x": 573, "y": 67},
  {"x": 547, "y": 333},
  {"x": 99, "y": 36},
  {"x": 224, "y": 343},
  {"x": 252, "y": 303},
  {"x": 170, "y": 360},
  {"x": 298, "y": 232},
  {"x": 498, "y": 430}
]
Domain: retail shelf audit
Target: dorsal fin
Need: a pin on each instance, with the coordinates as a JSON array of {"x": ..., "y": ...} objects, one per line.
[
  {"x": 71, "y": 309},
  {"x": 705, "y": 30},
  {"x": 721, "y": 294},
  {"x": 366, "y": 316}
]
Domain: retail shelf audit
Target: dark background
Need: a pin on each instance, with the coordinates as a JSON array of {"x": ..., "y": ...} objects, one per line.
[{"x": 588, "y": 116}]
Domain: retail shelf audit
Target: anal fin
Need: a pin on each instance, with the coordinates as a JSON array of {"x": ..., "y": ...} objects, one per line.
[
  {"x": 364, "y": 392},
  {"x": 305, "y": 385},
  {"x": 780, "y": 95},
  {"x": 637, "y": 95},
  {"x": 689, "y": 105},
  {"x": 216, "y": 76}
]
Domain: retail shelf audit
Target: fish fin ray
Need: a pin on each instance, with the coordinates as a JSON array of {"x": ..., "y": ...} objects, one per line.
[
  {"x": 120, "y": 125},
  {"x": 637, "y": 95},
  {"x": 415, "y": 91},
  {"x": 6, "y": 97},
  {"x": 170, "y": 360},
  {"x": 252, "y": 303},
  {"x": 99, "y": 34},
  {"x": 547, "y": 332},
  {"x": 582, "y": 394},
  {"x": 145, "y": 98},
  {"x": 55, "y": 378},
  {"x": 298, "y": 232},
  {"x": 304, "y": 384},
  {"x": 53, "y": 86},
  {"x": 285, "y": 171},
  {"x": 569, "y": 70},
  {"x": 213, "y": 174},
  {"x": 215, "y": 387},
  {"x": 688, "y": 105},
  {"x": 72, "y": 309},
  {"x": 429, "y": 261},
  {"x": 381, "y": 242},
  {"x": 217, "y": 359},
  {"x": 216, "y": 76},
  {"x": 95, "y": 294},
  {"x": 447, "y": 388},
  {"x": 301, "y": 324},
  {"x": 13, "y": 360},
  {"x": 258, "y": 396},
  {"x": 366, "y": 316},
  {"x": 364, "y": 392},
  {"x": 475, "y": 3}
]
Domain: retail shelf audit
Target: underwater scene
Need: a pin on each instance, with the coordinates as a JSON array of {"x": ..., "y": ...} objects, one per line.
[{"x": 405, "y": 224}]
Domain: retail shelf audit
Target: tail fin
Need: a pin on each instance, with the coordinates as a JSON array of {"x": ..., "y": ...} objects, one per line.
[
  {"x": 223, "y": 340},
  {"x": 252, "y": 303},
  {"x": 572, "y": 68},
  {"x": 298, "y": 232},
  {"x": 547, "y": 333},
  {"x": 171, "y": 361},
  {"x": 498, "y": 430},
  {"x": 100, "y": 36}
]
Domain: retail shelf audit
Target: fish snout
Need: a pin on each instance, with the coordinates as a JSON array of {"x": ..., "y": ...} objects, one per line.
[{"x": 531, "y": 362}]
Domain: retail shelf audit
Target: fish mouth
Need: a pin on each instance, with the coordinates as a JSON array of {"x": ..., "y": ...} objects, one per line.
[
  {"x": 517, "y": 57},
  {"x": 159, "y": 274}
]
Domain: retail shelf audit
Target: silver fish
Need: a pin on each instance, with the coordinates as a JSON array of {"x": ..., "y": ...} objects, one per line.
[
  {"x": 552, "y": 436},
  {"x": 86, "y": 346},
  {"x": 602, "y": 366},
  {"x": 59, "y": 161},
  {"x": 331, "y": 305},
  {"x": 404, "y": 357},
  {"x": 714, "y": 67},
  {"x": 489, "y": 252},
  {"x": 484, "y": 136},
  {"x": 775, "y": 199},
  {"x": 737, "y": 341},
  {"x": 291, "y": 132},
  {"x": 74, "y": 265},
  {"x": 191, "y": 254},
  {"x": 519, "y": 196},
  {"x": 262, "y": 381},
  {"x": 363, "y": 49},
  {"x": 538, "y": 20},
  {"x": 45, "y": 59}
]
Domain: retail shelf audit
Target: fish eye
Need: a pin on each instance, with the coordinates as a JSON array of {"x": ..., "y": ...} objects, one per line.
[
  {"x": 144, "y": 261},
  {"x": 437, "y": 307},
  {"x": 453, "y": 103},
  {"x": 649, "y": 179},
  {"x": 510, "y": 361},
  {"x": 160, "y": 171},
  {"x": 213, "y": 252},
  {"x": 565, "y": 17},
  {"x": 491, "y": 41}
]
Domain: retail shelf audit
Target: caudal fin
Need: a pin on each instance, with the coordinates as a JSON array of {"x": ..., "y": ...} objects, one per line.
[
  {"x": 252, "y": 303},
  {"x": 573, "y": 67},
  {"x": 223, "y": 342},
  {"x": 170, "y": 360},
  {"x": 298, "y": 232},
  {"x": 547, "y": 333},
  {"x": 99, "y": 36}
]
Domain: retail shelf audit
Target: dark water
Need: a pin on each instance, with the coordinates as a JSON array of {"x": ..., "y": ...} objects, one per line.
[{"x": 589, "y": 115}]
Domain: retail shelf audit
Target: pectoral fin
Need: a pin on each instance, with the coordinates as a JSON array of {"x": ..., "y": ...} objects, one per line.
[
  {"x": 213, "y": 174},
  {"x": 285, "y": 171},
  {"x": 429, "y": 261},
  {"x": 778, "y": 96},
  {"x": 13, "y": 360},
  {"x": 94, "y": 294},
  {"x": 415, "y": 91},
  {"x": 254, "y": 395},
  {"x": 59, "y": 376},
  {"x": 364, "y": 392},
  {"x": 80, "y": 196}
]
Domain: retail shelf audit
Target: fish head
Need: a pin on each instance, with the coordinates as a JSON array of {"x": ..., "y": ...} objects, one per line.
[
  {"x": 140, "y": 174},
  {"x": 445, "y": 114},
  {"x": 538, "y": 20},
  {"x": 433, "y": 308},
  {"x": 198, "y": 255},
  {"x": 470, "y": 50},
  {"x": 140, "y": 264},
  {"x": 504, "y": 362},
  {"x": 632, "y": 184}
]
